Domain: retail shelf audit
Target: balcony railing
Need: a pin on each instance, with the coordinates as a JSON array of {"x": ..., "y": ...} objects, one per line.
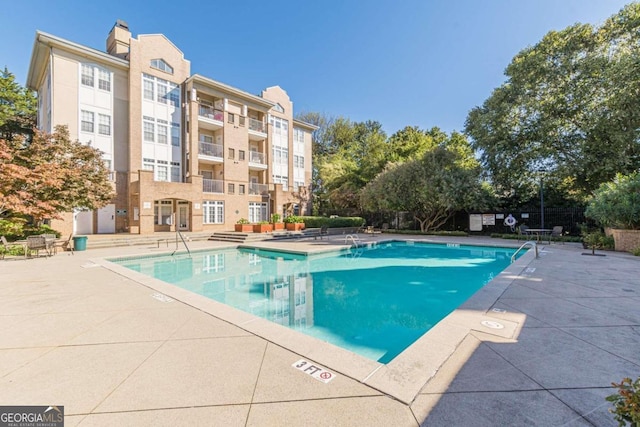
[
  {"x": 255, "y": 157},
  {"x": 258, "y": 188},
  {"x": 210, "y": 113},
  {"x": 209, "y": 149},
  {"x": 257, "y": 125},
  {"x": 212, "y": 185}
]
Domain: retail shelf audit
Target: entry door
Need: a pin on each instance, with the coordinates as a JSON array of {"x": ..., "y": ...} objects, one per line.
[
  {"x": 107, "y": 219},
  {"x": 183, "y": 217}
]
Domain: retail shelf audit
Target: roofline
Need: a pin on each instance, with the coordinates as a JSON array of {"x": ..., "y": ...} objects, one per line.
[
  {"x": 44, "y": 39},
  {"x": 197, "y": 78},
  {"x": 305, "y": 124}
]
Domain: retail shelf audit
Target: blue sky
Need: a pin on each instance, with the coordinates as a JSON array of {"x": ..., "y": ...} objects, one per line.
[{"x": 400, "y": 62}]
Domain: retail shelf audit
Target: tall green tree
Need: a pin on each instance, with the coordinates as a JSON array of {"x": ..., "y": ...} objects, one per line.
[
  {"x": 432, "y": 188},
  {"x": 570, "y": 106},
  {"x": 17, "y": 108}
]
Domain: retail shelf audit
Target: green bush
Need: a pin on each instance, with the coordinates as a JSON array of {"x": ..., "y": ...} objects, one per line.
[
  {"x": 617, "y": 204},
  {"x": 293, "y": 219},
  {"x": 598, "y": 240},
  {"x": 513, "y": 236},
  {"x": 636, "y": 251},
  {"x": 626, "y": 402},
  {"x": 242, "y": 221},
  {"x": 17, "y": 229},
  {"x": 433, "y": 233},
  {"x": 338, "y": 222},
  {"x": 275, "y": 217}
]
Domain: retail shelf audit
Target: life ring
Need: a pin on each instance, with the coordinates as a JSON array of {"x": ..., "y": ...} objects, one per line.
[{"x": 510, "y": 221}]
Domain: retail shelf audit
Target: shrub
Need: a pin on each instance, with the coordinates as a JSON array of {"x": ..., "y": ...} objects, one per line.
[
  {"x": 636, "y": 251},
  {"x": 433, "y": 233},
  {"x": 617, "y": 204},
  {"x": 293, "y": 219},
  {"x": 17, "y": 229},
  {"x": 598, "y": 240},
  {"x": 275, "y": 217},
  {"x": 242, "y": 221},
  {"x": 626, "y": 402},
  {"x": 337, "y": 222}
]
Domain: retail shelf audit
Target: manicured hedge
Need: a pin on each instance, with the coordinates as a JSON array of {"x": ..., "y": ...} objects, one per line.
[
  {"x": 577, "y": 239},
  {"x": 341, "y": 221},
  {"x": 432, "y": 233}
]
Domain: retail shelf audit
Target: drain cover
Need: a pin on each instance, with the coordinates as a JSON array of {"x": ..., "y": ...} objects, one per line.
[{"x": 491, "y": 324}]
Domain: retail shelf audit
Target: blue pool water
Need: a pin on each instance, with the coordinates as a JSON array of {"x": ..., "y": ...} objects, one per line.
[{"x": 373, "y": 301}]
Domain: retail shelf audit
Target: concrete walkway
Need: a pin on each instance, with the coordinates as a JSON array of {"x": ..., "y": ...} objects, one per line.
[{"x": 112, "y": 352}]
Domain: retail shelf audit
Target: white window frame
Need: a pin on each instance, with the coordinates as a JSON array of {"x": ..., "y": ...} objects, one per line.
[
  {"x": 213, "y": 212},
  {"x": 87, "y": 121},
  {"x": 257, "y": 211},
  {"x": 85, "y": 78},
  {"x": 175, "y": 134},
  {"x": 104, "y": 124},
  {"x": 162, "y": 210},
  {"x": 148, "y": 87},
  {"x": 163, "y": 137},
  {"x": 104, "y": 80},
  {"x": 148, "y": 131}
]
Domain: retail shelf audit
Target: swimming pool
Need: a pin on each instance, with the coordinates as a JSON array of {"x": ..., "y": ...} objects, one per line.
[{"x": 373, "y": 301}]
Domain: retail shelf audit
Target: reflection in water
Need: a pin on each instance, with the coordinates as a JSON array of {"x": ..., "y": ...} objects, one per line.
[{"x": 374, "y": 301}]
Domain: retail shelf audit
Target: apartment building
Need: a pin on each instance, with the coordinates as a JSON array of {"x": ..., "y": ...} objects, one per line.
[{"x": 184, "y": 151}]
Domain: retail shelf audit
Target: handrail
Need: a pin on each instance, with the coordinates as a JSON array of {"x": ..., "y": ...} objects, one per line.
[
  {"x": 178, "y": 233},
  {"x": 354, "y": 238},
  {"x": 530, "y": 242}
]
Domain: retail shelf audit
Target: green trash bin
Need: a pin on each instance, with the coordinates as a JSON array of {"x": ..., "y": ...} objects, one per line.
[{"x": 79, "y": 243}]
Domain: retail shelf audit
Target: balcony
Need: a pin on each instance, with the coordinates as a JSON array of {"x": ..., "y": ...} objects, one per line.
[
  {"x": 210, "y": 153},
  {"x": 212, "y": 185},
  {"x": 257, "y": 161},
  {"x": 257, "y": 130},
  {"x": 209, "y": 117},
  {"x": 258, "y": 189}
]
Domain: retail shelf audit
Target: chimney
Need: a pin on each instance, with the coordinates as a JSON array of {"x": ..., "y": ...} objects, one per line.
[{"x": 118, "y": 40}]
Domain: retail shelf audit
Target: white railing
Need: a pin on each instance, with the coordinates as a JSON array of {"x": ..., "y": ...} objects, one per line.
[
  {"x": 209, "y": 149},
  {"x": 257, "y": 125},
  {"x": 212, "y": 185},
  {"x": 528, "y": 243},
  {"x": 210, "y": 113},
  {"x": 258, "y": 188},
  {"x": 256, "y": 157}
]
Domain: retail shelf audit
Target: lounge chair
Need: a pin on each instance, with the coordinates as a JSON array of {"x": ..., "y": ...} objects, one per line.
[
  {"x": 66, "y": 245},
  {"x": 324, "y": 231},
  {"x": 6, "y": 247},
  {"x": 523, "y": 231}
]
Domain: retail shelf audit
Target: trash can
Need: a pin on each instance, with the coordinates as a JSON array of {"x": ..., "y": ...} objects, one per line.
[{"x": 79, "y": 243}]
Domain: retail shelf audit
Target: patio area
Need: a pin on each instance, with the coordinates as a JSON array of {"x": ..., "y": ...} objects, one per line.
[{"x": 114, "y": 351}]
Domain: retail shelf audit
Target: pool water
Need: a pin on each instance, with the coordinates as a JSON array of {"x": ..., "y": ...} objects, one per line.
[{"x": 373, "y": 301}]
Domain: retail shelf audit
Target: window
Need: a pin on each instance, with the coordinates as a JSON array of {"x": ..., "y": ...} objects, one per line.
[
  {"x": 104, "y": 124},
  {"x": 148, "y": 87},
  {"x": 213, "y": 212},
  {"x": 241, "y": 120},
  {"x": 257, "y": 212},
  {"x": 232, "y": 153},
  {"x": 149, "y": 130},
  {"x": 278, "y": 108},
  {"x": 148, "y": 164},
  {"x": 231, "y": 118},
  {"x": 241, "y": 155},
  {"x": 284, "y": 180},
  {"x": 298, "y": 135},
  {"x": 104, "y": 79},
  {"x": 175, "y": 172},
  {"x": 174, "y": 96},
  {"x": 163, "y": 173},
  {"x": 298, "y": 162},
  {"x": 297, "y": 185},
  {"x": 162, "y": 91},
  {"x": 280, "y": 155},
  {"x": 161, "y": 65},
  {"x": 231, "y": 188},
  {"x": 86, "y": 121},
  {"x": 162, "y": 134},
  {"x": 241, "y": 189},
  {"x": 162, "y": 212},
  {"x": 87, "y": 75},
  {"x": 175, "y": 134}
]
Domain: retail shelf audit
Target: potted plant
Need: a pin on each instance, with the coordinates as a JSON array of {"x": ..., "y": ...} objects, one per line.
[
  {"x": 262, "y": 227},
  {"x": 275, "y": 221},
  {"x": 616, "y": 205},
  {"x": 243, "y": 226},
  {"x": 294, "y": 223}
]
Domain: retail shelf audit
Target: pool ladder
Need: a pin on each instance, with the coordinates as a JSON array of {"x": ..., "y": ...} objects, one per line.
[
  {"x": 354, "y": 238},
  {"x": 533, "y": 244},
  {"x": 178, "y": 233}
]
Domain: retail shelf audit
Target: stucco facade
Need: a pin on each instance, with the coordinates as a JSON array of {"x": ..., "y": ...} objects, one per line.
[{"x": 184, "y": 151}]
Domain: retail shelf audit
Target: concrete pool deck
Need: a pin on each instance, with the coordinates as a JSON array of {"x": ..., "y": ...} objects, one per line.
[{"x": 113, "y": 352}]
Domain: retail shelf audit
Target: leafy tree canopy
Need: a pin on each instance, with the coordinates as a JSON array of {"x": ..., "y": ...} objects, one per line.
[
  {"x": 570, "y": 106},
  {"x": 17, "y": 108},
  {"x": 51, "y": 174}
]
